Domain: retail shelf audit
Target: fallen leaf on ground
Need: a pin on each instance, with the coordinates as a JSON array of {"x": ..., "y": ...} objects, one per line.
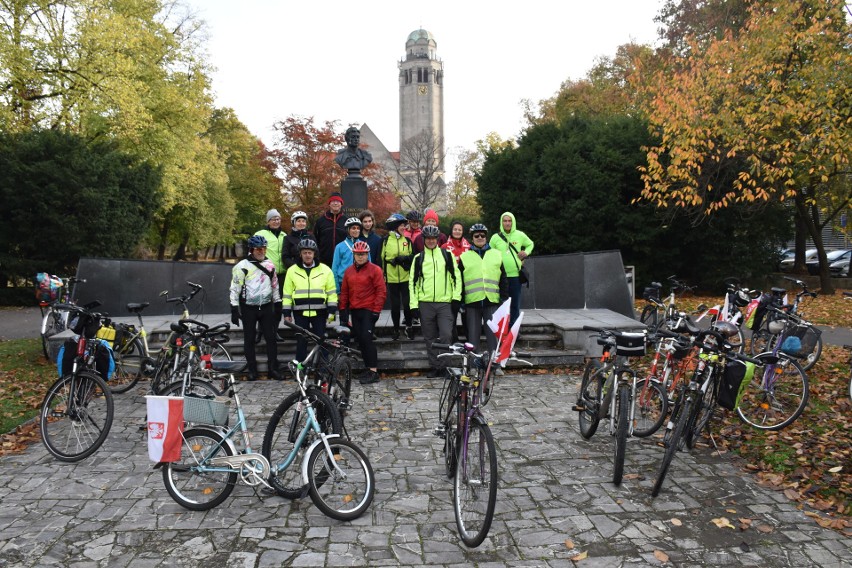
[
  {"x": 661, "y": 556},
  {"x": 569, "y": 544},
  {"x": 676, "y": 522},
  {"x": 581, "y": 556},
  {"x": 722, "y": 522}
]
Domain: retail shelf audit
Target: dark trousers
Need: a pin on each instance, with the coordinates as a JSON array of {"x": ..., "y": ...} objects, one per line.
[
  {"x": 477, "y": 316},
  {"x": 264, "y": 318},
  {"x": 362, "y": 330},
  {"x": 398, "y": 294},
  {"x": 457, "y": 308},
  {"x": 314, "y": 324},
  {"x": 436, "y": 321},
  {"x": 515, "y": 294}
]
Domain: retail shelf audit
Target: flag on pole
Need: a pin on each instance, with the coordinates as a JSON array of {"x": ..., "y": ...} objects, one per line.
[
  {"x": 725, "y": 309},
  {"x": 165, "y": 428},
  {"x": 499, "y": 322},
  {"x": 507, "y": 342}
]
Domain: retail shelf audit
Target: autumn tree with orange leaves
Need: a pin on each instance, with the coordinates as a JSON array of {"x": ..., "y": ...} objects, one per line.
[{"x": 775, "y": 102}]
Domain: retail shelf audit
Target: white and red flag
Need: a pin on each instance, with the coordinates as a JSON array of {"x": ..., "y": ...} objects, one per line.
[
  {"x": 499, "y": 322},
  {"x": 165, "y": 428},
  {"x": 506, "y": 343}
]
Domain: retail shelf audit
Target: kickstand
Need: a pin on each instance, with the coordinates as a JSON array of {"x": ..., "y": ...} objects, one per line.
[{"x": 712, "y": 439}]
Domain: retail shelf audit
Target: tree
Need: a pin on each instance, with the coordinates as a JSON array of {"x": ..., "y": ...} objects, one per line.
[
  {"x": 420, "y": 170},
  {"x": 64, "y": 197},
  {"x": 777, "y": 103},
  {"x": 688, "y": 23},
  {"x": 461, "y": 194}
]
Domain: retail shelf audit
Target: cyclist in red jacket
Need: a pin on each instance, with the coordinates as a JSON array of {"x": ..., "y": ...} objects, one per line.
[{"x": 362, "y": 295}]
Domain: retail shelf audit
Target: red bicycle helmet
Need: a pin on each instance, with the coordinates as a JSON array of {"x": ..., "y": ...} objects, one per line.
[{"x": 360, "y": 246}]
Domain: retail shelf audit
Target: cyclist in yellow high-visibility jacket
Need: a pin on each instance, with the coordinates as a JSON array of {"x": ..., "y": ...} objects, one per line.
[
  {"x": 310, "y": 295},
  {"x": 485, "y": 285}
]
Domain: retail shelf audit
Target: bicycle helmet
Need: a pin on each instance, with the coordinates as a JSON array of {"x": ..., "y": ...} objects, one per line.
[
  {"x": 431, "y": 232},
  {"x": 394, "y": 221},
  {"x": 726, "y": 328},
  {"x": 256, "y": 241},
  {"x": 352, "y": 221},
  {"x": 478, "y": 228},
  {"x": 298, "y": 215},
  {"x": 360, "y": 246},
  {"x": 741, "y": 298},
  {"x": 777, "y": 326},
  {"x": 414, "y": 216},
  {"x": 309, "y": 244}
]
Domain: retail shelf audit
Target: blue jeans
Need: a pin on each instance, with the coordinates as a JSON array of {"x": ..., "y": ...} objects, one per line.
[{"x": 515, "y": 294}]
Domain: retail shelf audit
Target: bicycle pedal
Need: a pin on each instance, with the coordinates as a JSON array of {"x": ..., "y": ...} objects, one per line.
[
  {"x": 440, "y": 432},
  {"x": 344, "y": 405},
  {"x": 578, "y": 408}
]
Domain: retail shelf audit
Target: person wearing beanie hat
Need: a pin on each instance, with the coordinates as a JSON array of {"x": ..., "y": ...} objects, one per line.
[
  {"x": 429, "y": 219},
  {"x": 275, "y": 238},
  {"x": 271, "y": 214},
  {"x": 329, "y": 230}
]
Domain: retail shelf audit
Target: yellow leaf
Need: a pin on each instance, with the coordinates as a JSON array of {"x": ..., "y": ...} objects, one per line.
[
  {"x": 837, "y": 469},
  {"x": 580, "y": 556},
  {"x": 661, "y": 556},
  {"x": 569, "y": 544},
  {"x": 676, "y": 522},
  {"x": 722, "y": 522},
  {"x": 732, "y": 511}
]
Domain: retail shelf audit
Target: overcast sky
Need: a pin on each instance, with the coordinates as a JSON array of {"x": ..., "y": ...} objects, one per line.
[{"x": 338, "y": 60}]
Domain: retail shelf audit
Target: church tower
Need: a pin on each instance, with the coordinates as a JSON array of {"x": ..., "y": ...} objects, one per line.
[{"x": 421, "y": 90}]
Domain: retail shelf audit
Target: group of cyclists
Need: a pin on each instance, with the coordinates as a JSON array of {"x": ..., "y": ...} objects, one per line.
[{"x": 344, "y": 269}]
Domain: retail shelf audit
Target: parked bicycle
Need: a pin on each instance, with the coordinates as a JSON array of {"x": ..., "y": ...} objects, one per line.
[
  {"x": 737, "y": 297},
  {"x": 470, "y": 454},
  {"x": 77, "y": 411},
  {"x": 764, "y": 339},
  {"x": 659, "y": 313},
  {"x": 329, "y": 364},
  {"x": 194, "y": 368},
  {"x": 337, "y": 472},
  {"x": 696, "y": 401},
  {"x": 609, "y": 390},
  {"x": 54, "y": 317}
]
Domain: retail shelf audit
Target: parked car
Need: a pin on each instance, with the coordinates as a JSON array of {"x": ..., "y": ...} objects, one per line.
[
  {"x": 840, "y": 267},
  {"x": 831, "y": 256},
  {"x": 786, "y": 265}
]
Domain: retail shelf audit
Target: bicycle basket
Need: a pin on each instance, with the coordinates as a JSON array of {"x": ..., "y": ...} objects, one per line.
[
  {"x": 206, "y": 410},
  {"x": 630, "y": 344},
  {"x": 807, "y": 337}
]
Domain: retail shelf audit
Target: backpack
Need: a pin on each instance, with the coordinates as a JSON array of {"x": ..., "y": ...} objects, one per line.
[
  {"x": 47, "y": 287},
  {"x": 448, "y": 266}
]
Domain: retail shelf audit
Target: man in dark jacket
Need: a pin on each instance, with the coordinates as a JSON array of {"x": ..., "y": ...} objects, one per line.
[{"x": 329, "y": 229}]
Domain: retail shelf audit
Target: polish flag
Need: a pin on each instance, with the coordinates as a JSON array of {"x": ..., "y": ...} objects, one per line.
[
  {"x": 165, "y": 428},
  {"x": 499, "y": 322},
  {"x": 507, "y": 342}
]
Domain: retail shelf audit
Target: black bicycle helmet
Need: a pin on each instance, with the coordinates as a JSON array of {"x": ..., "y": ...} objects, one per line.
[
  {"x": 309, "y": 244},
  {"x": 414, "y": 215},
  {"x": 394, "y": 221},
  {"x": 431, "y": 232},
  {"x": 478, "y": 228},
  {"x": 256, "y": 241}
]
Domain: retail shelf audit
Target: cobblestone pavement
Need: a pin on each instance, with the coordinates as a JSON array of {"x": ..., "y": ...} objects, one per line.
[{"x": 555, "y": 500}]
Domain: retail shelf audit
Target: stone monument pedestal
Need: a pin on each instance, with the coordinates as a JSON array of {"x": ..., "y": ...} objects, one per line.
[{"x": 354, "y": 192}]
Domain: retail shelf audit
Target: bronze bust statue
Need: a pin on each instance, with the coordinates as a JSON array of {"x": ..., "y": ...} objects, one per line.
[{"x": 352, "y": 158}]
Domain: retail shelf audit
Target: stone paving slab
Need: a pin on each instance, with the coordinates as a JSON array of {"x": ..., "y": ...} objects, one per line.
[{"x": 113, "y": 510}]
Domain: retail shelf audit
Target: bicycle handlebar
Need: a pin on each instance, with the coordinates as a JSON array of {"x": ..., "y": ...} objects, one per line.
[{"x": 196, "y": 288}]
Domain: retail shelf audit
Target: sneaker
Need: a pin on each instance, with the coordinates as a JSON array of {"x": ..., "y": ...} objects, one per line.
[
  {"x": 409, "y": 332},
  {"x": 369, "y": 378},
  {"x": 415, "y": 321}
]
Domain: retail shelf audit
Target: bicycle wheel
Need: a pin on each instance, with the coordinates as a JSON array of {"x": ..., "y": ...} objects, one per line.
[
  {"x": 760, "y": 339},
  {"x": 622, "y": 416},
  {"x": 776, "y": 396},
  {"x": 649, "y": 317},
  {"x": 341, "y": 485},
  {"x": 475, "y": 484},
  {"x": 672, "y": 445},
  {"x": 195, "y": 387},
  {"x": 51, "y": 324},
  {"x": 703, "y": 413},
  {"x": 191, "y": 487},
  {"x": 128, "y": 366},
  {"x": 340, "y": 384},
  {"x": 590, "y": 398},
  {"x": 281, "y": 436},
  {"x": 76, "y": 416},
  {"x": 649, "y": 408}
]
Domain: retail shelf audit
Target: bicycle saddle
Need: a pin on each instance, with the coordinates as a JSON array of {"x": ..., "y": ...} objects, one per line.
[{"x": 135, "y": 308}]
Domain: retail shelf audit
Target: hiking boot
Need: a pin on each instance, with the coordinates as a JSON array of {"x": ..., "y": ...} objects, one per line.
[
  {"x": 369, "y": 378},
  {"x": 409, "y": 332},
  {"x": 275, "y": 375},
  {"x": 252, "y": 376}
]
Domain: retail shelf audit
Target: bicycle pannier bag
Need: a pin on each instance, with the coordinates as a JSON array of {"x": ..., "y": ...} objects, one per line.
[
  {"x": 524, "y": 276},
  {"x": 104, "y": 361},
  {"x": 630, "y": 344},
  {"x": 735, "y": 380},
  {"x": 47, "y": 287}
]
